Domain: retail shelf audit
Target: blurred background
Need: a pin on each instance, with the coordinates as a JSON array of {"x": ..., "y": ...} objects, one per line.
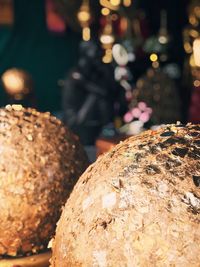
[{"x": 106, "y": 67}]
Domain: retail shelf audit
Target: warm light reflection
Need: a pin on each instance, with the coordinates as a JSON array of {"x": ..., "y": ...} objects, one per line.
[
  {"x": 188, "y": 47},
  {"x": 84, "y": 18},
  {"x": 107, "y": 58},
  {"x": 155, "y": 64},
  {"x": 17, "y": 107},
  {"x": 196, "y": 52},
  {"x": 17, "y": 83},
  {"x": 13, "y": 83},
  {"x": 107, "y": 4},
  {"x": 105, "y": 11},
  {"x": 163, "y": 39},
  {"x": 127, "y": 3},
  {"x": 86, "y": 34},
  {"x": 194, "y": 33},
  {"x": 153, "y": 57},
  {"x": 106, "y": 39},
  {"x": 197, "y": 83},
  {"x": 193, "y": 20},
  {"x": 115, "y": 2},
  {"x": 191, "y": 61}
]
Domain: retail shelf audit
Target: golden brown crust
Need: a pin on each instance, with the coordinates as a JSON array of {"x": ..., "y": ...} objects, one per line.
[
  {"x": 40, "y": 161},
  {"x": 138, "y": 205}
]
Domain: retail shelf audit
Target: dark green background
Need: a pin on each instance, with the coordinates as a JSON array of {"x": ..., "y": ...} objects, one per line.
[{"x": 46, "y": 56}]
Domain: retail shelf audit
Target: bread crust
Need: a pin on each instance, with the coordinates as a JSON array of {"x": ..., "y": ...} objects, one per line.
[
  {"x": 138, "y": 205},
  {"x": 40, "y": 161}
]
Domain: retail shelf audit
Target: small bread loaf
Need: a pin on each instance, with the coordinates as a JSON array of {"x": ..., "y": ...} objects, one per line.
[
  {"x": 40, "y": 161},
  {"x": 138, "y": 205}
]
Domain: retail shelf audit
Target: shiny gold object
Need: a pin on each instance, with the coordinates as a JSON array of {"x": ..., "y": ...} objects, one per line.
[
  {"x": 127, "y": 3},
  {"x": 107, "y": 40},
  {"x": 105, "y": 11},
  {"x": 115, "y": 2},
  {"x": 107, "y": 4},
  {"x": 107, "y": 58},
  {"x": 196, "y": 83},
  {"x": 84, "y": 18},
  {"x": 17, "y": 83},
  {"x": 196, "y": 51},
  {"x": 153, "y": 57}
]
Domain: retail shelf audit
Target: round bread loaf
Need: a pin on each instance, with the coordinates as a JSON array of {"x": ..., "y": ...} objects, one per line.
[
  {"x": 40, "y": 161},
  {"x": 138, "y": 205}
]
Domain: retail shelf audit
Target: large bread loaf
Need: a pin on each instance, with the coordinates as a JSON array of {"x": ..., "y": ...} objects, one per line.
[
  {"x": 138, "y": 205},
  {"x": 40, "y": 161}
]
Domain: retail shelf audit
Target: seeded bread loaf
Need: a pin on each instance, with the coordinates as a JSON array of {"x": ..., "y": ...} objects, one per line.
[
  {"x": 138, "y": 205},
  {"x": 40, "y": 161}
]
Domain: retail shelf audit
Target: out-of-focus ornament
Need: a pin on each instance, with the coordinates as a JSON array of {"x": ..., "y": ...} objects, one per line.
[
  {"x": 128, "y": 42},
  {"x": 120, "y": 55},
  {"x": 115, "y": 2},
  {"x": 194, "y": 13},
  {"x": 122, "y": 73},
  {"x": 158, "y": 91},
  {"x": 196, "y": 51},
  {"x": 163, "y": 36},
  {"x": 157, "y": 46},
  {"x": 112, "y": 4},
  {"x": 105, "y": 11},
  {"x": 191, "y": 32},
  {"x": 127, "y": 3},
  {"x": 107, "y": 40},
  {"x": 191, "y": 77},
  {"x": 154, "y": 59},
  {"x": 84, "y": 18},
  {"x": 136, "y": 118},
  {"x": 17, "y": 83}
]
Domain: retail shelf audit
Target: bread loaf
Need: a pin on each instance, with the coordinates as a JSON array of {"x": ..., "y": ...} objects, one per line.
[
  {"x": 40, "y": 161},
  {"x": 138, "y": 205}
]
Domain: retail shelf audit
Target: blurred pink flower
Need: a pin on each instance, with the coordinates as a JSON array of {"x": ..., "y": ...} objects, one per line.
[
  {"x": 142, "y": 106},
  {"x": 128, "y": 117},
  {"x": 149, "y": 110},
  {"x": 136, "y": 112},
  {"x": 144, "y": 117}
]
